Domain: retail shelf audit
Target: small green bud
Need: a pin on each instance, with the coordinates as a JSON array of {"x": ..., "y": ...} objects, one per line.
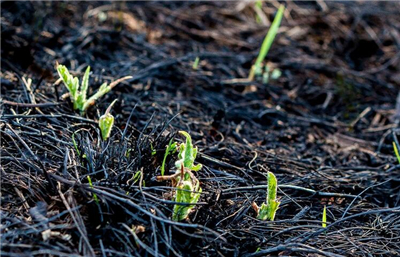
[
  {"x": 106, "y": 122},
  {"x": 276, "y": 74}
]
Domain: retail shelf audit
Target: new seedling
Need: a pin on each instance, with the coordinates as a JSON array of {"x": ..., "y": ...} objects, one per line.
[
  {"x": 268, "y": 74},
  {"x": 196, "y": 63},
  {"x": 324, "y": 217},
  {"x": 268, "y": 209},
  {"x": 187, "y": 186},
  {"x": 106, "y": 122},
  {"x": 78, "y": 93},
  {"x": 256, "y": 69}
]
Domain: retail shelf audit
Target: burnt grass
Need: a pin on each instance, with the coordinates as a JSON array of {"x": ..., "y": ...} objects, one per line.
[{"x": 325, "y": 128}]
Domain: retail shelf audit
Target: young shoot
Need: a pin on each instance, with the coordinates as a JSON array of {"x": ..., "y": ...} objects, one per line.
[
  {"x": 396, "y": 152},
  {"x": 187, "y": 186},
  {"x": 136, "y": 178},
  {"x": 258, "y": 8},
  {"x": 91, "y": 186},
  {"x": 171, "y": 149},
  {"x": 268, "y": 209},
  {"x": 78, "y": 92},
  {"x": 256, "y": 69},
  {"x": 268, "y": 74},
  {"x": 324, "y": 217},
  {"x": 187, "y": 154},
  {"x": 188, "y": 191},
  {"x": 196, "y": 63},
  {"x": 106, "y": 122}
]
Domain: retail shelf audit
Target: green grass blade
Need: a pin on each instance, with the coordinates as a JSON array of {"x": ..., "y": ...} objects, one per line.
[
  {"x": 269, "y": 38},
  {"x": 196, "y": 63},
  {"x": 170, "y": 149},
  {"x": 91, "y": 186},
  {"x": 324, "y": 217},
  {"x": 396, "y": 151}
]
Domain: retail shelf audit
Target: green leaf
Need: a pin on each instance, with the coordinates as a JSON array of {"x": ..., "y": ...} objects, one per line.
[
  {"x": 91, "y": 186},
  {"x": 68, "y": 79},
  {"x": 187, "y": 154},
  {"x": 136, "y": 177},
  {"x": 104, "y": 89},
  {"x": 324, "y": 217},
  {"x": 268, "y": 40},
  {"x": 75, "y": 144},
  {"x": 185, "y": 193},
  {"x": 171, "y": 147},
  {"x": 106, "y": 122},
  {"x": 196, "y": 63},
  {"x": 268, "y": 209},
  {"x": 276, "y": 74},
  {"x": 272, "y": 187},
  {"x": 396, "y": 151},
  {"x": 85, "y": 84}
]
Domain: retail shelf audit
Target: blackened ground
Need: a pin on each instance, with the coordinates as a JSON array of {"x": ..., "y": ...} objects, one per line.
[{"x": 325, "y": 128}]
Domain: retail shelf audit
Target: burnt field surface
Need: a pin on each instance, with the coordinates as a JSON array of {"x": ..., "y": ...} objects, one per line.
[{"x": 326, "y": 128}]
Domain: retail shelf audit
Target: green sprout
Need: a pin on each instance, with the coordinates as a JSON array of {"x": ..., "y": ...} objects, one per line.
[
  {"x": 106, "y": 122},
  {"x": 171, "y": 148},
  {"x": 91, "y": 186},
  {"x": 274, "y": 74},
  {"x": 196, "y": 63},
  {"x": 187, "y": 186},
  {"x": 136, "y": 177},
  {"x": 256, "y": 69},
  {"x": 258, "y": 5},
  {"x": 324, "y": 217},
  {"x": 78, "y": 93},
  {"x": 188, "y": 191},
  {"x": 396, "y": 151},
  {"x": 267, "y": 210},
  {"x": 75, "y": 144},
  {"x": 187, "y": 154},
  {"x": 153, "y": 151}
]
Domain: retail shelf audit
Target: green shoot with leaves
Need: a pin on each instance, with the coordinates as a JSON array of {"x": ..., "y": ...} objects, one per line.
[
  {"x": 324, "y": 217},
  {"x": 78, "y": 93},
  {"x": 106, "y": 122},
  {"x": 256, "y": 69},
  {"x": 187, "y": 186},
  {"x": 268, "y": 209}
]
